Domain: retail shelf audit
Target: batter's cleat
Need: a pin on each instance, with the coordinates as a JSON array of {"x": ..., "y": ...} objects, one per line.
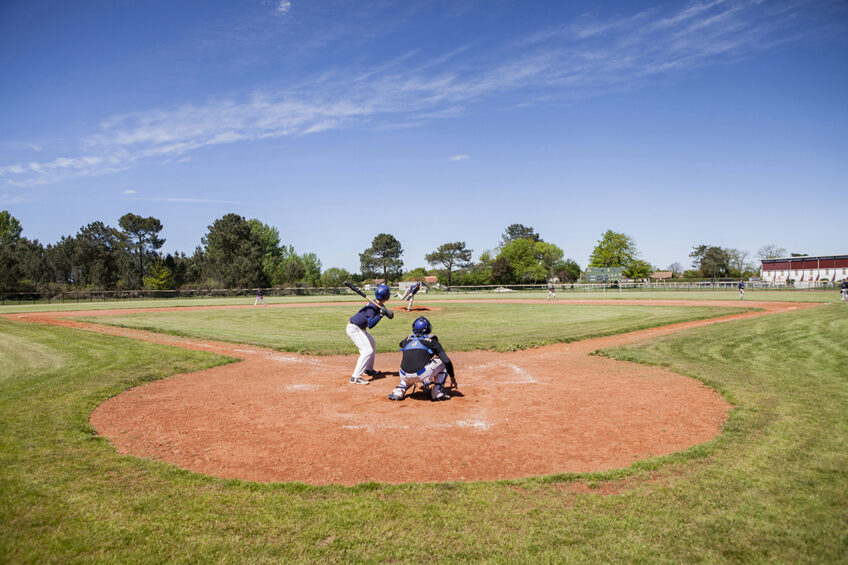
[
  {"x": 370, "y": 372},
  {"x": 358, "y": 381}
]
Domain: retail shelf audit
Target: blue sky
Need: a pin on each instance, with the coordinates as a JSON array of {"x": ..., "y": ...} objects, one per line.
[{"x": 678, "y": 123}]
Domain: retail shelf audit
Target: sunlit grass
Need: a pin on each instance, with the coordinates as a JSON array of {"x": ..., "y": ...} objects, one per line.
[
  {"x": 772, "y": 488},
  {"x": 502, "y": 327}
]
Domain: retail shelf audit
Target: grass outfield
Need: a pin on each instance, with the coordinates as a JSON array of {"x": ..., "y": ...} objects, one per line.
[
  {"x": 831, "y": 295},
  {"x": 772, "y": 488},
  {"x": 461, "y": 327}
]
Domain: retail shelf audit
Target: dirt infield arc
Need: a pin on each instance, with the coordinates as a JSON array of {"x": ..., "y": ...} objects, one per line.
[{"x": 283, "y": 417}]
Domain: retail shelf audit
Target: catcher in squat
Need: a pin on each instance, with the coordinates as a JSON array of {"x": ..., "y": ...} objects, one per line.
[{"x": 424, "y": 361}]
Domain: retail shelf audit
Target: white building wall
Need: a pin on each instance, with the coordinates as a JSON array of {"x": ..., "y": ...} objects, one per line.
[{"x": 837, "y": 274}]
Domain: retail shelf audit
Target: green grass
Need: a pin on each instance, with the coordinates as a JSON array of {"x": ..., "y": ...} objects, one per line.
[
  {"x": 818, "y": 296},
  {"x": 461, "y": 327},
  {"x": 772, "y": 488}
]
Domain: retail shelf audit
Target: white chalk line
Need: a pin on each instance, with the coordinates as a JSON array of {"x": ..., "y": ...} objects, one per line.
[
  {"x": 295, "y": 359},
  {"x": 302, "y": 386},
  {"x": 522, "y": 377},
  {"x": 477, "y": 424}
]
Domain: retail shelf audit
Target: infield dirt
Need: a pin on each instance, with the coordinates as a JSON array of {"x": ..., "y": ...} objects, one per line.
[{"x": 284, "y": 417}]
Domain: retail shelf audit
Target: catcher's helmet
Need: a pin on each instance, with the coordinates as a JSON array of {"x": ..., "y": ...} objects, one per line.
[
  {"x": 421, "y": 325},
  {"x": 383, "y": 292}
]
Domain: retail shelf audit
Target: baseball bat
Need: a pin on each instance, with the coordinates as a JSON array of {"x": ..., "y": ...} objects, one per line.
[{"x": 386, "y": 312}]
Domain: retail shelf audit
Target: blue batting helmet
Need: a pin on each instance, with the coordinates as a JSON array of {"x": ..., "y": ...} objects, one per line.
[
  {"x": 421, "y": 325},
  {"x": 383, "y": 292}
]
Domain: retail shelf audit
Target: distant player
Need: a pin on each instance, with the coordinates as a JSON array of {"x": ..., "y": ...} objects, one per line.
[
  {"x": 844, "y": 289},
  {"x": 357, "y": 330},
  {"x": 424, "y": 361},
  {"x": 259, "y": 296},
  {"x": 741, "y": 289},
  {"x": 410, "y": 294},
  {"x": 551, "y": 292}
]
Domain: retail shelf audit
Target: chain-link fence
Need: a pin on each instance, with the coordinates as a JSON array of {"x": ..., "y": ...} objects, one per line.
[{"x": 77, "y": 296}]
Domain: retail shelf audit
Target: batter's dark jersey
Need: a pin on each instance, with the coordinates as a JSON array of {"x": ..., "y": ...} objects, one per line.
[
  {"x": 414, "y": 359},
  {"x": 368, "y": 316}
]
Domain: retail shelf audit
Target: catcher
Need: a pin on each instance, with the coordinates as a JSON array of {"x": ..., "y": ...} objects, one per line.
[{"x": 424, "y": 361}]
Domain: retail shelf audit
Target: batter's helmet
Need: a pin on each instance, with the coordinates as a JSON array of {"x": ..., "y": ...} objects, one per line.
[
  {"x": 383, "y": 292},
  {"x": 421, "y": 325}
]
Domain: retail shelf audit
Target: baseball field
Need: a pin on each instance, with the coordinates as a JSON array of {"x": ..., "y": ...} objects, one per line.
[{"x": 597, "y": 429}]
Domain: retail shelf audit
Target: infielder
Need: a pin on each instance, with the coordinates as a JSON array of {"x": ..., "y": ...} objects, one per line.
[
  {"x": 410, "y": 294},
  {"x": 844, "y": 288},
  {"x": 259, "y": 296},
  {"x": 357, "y": 327},
  {"x": 424, "y": 361},
  {"x": 552, "y": 293},
  {"x": 741, "y": 289}
]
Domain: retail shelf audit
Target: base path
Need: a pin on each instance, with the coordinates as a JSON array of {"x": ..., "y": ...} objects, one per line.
[{"x": 283, "y": 417}]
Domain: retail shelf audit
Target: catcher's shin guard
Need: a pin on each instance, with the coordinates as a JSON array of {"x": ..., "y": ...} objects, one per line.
[
  {"x": 438, "y": 393},
  {"x": 398, "y": 393}
]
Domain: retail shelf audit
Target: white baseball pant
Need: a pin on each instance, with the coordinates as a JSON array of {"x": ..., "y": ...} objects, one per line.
[{"x": 366, "y": 345}]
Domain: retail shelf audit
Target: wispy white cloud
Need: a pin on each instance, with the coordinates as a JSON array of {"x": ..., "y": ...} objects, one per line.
[
  {"x": 460, "y": 157},
  {"x": 283, "y": 6},
  {"x": 191, "y": 200},
  {"x": 130, "y": 191},
  {"x": 588, "y": 57}
]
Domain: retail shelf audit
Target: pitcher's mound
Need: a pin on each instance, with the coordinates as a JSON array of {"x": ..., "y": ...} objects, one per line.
[{"x": 416, "y": 309}]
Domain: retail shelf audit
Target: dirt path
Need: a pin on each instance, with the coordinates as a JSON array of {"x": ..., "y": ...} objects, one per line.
[{"x": 285, "y": 417}]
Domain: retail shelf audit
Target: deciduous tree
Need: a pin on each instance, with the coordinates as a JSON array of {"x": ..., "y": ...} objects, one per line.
[
  {"x": 523, "y": 260},
  {"x": 501, "y": 271},
  {"x": 771, "y": 251},
  {"x": 160, "y": 277},
  {"x": 312, "y": 269},
  {"x": 614, "y": 250},
  {"x": 271, "y": 250},
  {"x": 548, "y": 255},
  {"x": 711, "y": 261},
  {"x": 567, "y": 271},
  {"x": 334, "y": 276},
  {"x": 638, "y": 269},
  {"x": 10, "y": 229}
]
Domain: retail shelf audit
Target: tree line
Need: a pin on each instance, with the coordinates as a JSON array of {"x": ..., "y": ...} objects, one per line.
[
  {"x": 237, "y": 252},
  {"x": 522, "y": 256}
]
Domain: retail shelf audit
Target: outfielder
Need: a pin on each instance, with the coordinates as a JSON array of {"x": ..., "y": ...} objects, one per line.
[
  {"x": 844, "y": 288},
  {"x": 357, "y": 327},
  {"x": 410, "y": 294},
  {"x": 551, "y": 293},
  {"x": 741, "y": 289},
  {"x": 259, "y": 296},
  {"x": 424, "y": 361}
]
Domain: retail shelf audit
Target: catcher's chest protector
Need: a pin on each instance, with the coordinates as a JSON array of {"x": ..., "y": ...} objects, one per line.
[{"x": 415, "y": 343}]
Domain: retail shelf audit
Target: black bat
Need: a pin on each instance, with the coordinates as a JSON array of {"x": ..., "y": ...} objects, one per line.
[{"x": 383, "y": 310}]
